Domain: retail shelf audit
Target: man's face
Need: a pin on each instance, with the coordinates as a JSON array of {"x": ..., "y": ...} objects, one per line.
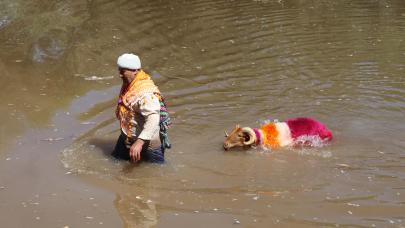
[{"x": 127, "y": 75}]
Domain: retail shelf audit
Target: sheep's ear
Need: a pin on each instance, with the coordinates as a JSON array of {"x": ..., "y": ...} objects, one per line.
[
  {"x": 237, "y": 126},
  {"x": 226, "y": 134}
]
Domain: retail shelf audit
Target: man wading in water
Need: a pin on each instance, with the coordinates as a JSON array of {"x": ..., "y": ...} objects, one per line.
[{"x": 142, "y": 113}]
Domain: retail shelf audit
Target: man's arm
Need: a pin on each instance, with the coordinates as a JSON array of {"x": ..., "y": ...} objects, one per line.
[{"x": 149, "y": 107}]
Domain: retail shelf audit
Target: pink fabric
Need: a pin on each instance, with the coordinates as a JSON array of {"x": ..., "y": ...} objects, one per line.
[
  {"x": 307, "y": 126},
  {"x": 257, "y": 133}
]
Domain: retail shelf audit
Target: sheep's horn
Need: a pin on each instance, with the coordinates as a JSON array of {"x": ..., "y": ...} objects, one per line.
[
  {"x": 251, "y": 134},
  {"x": 226, "y": 134}
]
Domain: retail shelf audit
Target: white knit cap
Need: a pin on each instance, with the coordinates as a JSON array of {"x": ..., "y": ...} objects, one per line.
[{"x": 129, "y": 61}]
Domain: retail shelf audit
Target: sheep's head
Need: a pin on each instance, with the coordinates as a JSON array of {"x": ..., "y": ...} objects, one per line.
[{"x": 239, "y": 137}]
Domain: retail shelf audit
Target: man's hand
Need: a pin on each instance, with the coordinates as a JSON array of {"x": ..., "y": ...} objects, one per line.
[{"x": 135, "y": 150}]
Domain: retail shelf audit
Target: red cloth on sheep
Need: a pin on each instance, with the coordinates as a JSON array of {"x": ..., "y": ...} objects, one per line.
[{"x": 307, "y": 126}]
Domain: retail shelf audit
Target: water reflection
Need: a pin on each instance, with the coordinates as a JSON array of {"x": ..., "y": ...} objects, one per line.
[{"x": 136, "y": 210}]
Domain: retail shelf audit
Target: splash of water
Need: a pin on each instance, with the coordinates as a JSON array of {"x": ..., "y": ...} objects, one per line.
[
  {"x": 306, "y": 145},
  {"x": 310, "y": 144},
  {"x": 310, "y": 141}
]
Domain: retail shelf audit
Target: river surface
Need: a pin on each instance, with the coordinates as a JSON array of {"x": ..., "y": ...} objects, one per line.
[{"x": 219, "y": 63}]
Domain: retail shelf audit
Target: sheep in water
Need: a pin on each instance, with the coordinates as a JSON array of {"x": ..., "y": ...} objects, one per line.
[{"x": 298, "y": 131}]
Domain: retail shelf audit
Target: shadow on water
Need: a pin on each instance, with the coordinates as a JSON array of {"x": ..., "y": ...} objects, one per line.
[{"x": 106, "y": 146}]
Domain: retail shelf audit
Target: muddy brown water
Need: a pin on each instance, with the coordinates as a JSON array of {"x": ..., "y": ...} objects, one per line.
[{"x": 219, "y": 63}]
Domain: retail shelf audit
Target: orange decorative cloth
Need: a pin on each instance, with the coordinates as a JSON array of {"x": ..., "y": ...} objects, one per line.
[
  {"x": 270, "y": 135},
  {"x": 129, "y": 96}
]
